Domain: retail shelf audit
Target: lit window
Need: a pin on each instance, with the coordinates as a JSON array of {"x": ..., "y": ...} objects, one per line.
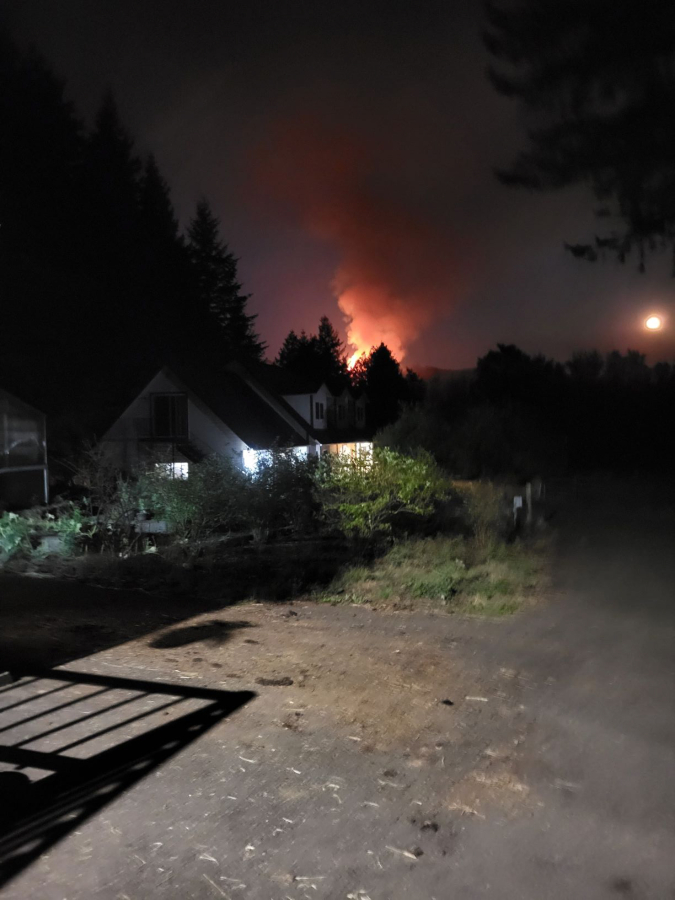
[
  {"x": 174, "y": 469},
  {"x": 255, "y": 460},
  {"x": 250, "y": 459}
]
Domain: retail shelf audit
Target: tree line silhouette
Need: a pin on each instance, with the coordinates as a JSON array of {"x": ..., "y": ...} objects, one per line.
[
  {"x": 321, "y": 357},
  {"x": 522, "y": 416},
  {"x": 95, "y": 274},
  {"x": 97, "y": 278},
  {"x": 97, "y": 281}
]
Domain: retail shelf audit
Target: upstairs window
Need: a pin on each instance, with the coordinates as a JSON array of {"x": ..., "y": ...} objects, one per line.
[
  {"x": 169, "y": 416},
  {"x": 360, "y": 414},
  {"x": 318, "y": 410},
  {"x": 342, "y": 412}
]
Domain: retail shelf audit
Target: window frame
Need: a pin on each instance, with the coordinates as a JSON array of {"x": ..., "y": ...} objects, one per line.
[{"x": 174, "y": 419}]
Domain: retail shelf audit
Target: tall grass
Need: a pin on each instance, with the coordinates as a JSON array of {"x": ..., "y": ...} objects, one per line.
[{"x": 448, "y": 573}]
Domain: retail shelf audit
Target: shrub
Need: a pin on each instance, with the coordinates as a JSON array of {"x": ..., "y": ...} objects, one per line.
[
  {"x": 420, "y": 428},
  {"x": 219, "y": 496},
  {"x": 15, "y": 533},
  {"x": 365, "y": 493},
  {"x": 486, "y": 509},
  {"x": 109, "y": 500},
  {"x": 280, "y": 493},
  {"x": 212, "y": 498},
  {"x": 22, "y": 532}
]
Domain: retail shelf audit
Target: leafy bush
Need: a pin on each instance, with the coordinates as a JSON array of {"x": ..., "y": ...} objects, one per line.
[
  {"x": 364, "y": 493},
  {"x": 212, "y": 498},
  {"x": 15, "y": 531},
  {"x": 420, "y": 428},
  {"x": 218, "y": 496},
  {"x": 23, "y": 532},
  {"x": 280, "y": 493},
  {"x": 110, "y": 501}
]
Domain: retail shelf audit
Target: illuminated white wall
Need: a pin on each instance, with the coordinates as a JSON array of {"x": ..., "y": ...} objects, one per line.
[
  {"x": 305, "y": 406},
  {"x": 211, "y": 436},
  {"x": 251, "y": 458}
]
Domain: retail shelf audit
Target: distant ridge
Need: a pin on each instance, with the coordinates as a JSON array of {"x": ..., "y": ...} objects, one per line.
[{"x": 429, "y": 372}]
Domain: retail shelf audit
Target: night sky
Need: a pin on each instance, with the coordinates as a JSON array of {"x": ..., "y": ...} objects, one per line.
[{"x": 348, "y": 149}]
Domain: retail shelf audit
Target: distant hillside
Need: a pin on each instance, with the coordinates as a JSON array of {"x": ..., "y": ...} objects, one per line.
[{"x": 429, "y": 372}]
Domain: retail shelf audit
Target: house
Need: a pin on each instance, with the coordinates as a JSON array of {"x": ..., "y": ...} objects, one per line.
[
  {"x": 336, "y": 414},
  {"x": 185, "y": 413},
  {"x": 24, "y": 474}
]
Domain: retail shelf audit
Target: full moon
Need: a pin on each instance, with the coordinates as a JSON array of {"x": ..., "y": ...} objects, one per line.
[{"x": 653, "y": 323}]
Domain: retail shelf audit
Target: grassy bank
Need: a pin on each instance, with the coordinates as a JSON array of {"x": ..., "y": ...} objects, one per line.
[{"x": 449, "y": 573}]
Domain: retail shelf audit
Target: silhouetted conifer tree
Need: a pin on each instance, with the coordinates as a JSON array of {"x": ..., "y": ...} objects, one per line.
[
  {"x": 318, "y": 357},
  {"x": 113, "y": 190},
  {"x": 596, "y": 78},
  {"x": 379, "y": 374},
  {"x": 218, "y": 290}
]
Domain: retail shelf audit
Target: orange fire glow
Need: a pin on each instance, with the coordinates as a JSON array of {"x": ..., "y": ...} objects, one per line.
[
  {"x": 353, "y": 359},
  {"x": 373, "y": 315},
  {"x": 399, "y": 270}
]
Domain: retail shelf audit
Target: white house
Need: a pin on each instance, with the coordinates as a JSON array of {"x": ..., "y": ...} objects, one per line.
[
  {"x": 335, "y": 414},
  {"x": 181, "y": 417}
]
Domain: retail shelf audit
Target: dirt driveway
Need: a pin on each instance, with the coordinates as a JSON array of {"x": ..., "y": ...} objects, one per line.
[{"x": 377, "y": 755}]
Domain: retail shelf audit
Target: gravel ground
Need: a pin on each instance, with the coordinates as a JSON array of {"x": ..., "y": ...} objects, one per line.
[{"x": 378, "y": 755}]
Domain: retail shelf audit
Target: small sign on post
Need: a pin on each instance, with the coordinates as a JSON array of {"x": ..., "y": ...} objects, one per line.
[{"x": 528, "y": 504}]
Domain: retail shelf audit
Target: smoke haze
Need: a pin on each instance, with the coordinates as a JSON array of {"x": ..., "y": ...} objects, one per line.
[
  {"x": 397, "y": 269},
  {"x": 348, "y": 149}
]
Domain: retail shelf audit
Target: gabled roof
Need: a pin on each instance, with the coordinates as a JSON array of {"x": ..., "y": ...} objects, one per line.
[
  {"x": 320, "y": 435},
  {"x": 228, "y": 397},
  {"x": 271, "y": 396},
  {"x": 282, "y": 382},
  {"x": 245, "y": 398},
  {"x": 239, "y": 407}
]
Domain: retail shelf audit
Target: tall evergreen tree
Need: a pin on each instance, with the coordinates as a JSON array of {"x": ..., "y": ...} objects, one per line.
[
  {"x": 44, "y": 310},
  {"x": 289, "y": 351},
  {"x": 158, "y": 219},
  {"x": 319, "y": 357},
  {"x": 298, "y": 354},
  {"x": 113, "y": 190},
  {"x": 330, "y": 349},
  {"x": 218, "y": 290},
  {"x": 379, "y": 374},
  {"x": 41, "y": 142},
  {"x": 163, "y": 257}
]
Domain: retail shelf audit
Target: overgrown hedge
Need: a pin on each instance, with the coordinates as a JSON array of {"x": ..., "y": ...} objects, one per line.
[{"x": 363, "y": 495}]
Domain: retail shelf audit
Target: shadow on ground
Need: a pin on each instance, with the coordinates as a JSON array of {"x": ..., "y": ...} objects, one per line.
[
  {"x": 47, "y": 621},
  {"x": 216, "y": 632},
  {"x": 46, "y": 731}
]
